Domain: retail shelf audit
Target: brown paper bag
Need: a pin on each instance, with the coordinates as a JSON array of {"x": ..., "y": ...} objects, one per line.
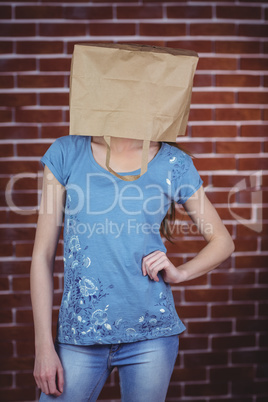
[{"x": 130, "y": 91}]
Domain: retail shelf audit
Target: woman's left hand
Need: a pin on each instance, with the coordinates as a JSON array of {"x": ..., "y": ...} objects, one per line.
[{"x": 158, "y": 261}]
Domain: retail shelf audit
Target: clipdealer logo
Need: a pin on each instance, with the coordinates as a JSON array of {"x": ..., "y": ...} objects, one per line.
[{"x": 252, "y": 185}]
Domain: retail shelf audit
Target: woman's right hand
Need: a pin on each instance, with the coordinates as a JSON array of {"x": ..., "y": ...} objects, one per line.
[{"x": 48, "y": 372}]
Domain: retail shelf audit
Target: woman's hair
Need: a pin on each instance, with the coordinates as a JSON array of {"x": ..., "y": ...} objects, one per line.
[{"x": 171, "y": 213}]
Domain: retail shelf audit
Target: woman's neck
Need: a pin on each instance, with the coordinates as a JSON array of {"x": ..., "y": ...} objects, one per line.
[{"x": 122, "y": 144}]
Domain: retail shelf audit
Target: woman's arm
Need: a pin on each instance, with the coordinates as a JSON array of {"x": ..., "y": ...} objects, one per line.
[
  {"x": 47, "y": 363},
  {"x": 219, "y": 247}
]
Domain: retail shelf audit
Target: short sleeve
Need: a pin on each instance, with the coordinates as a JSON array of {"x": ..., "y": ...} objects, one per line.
[
  {"x": 186, "y": 181},
  {"x": 54, "y": 158}
]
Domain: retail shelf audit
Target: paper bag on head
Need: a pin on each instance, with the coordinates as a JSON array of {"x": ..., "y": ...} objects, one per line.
[{"x": 130, "y": 91}]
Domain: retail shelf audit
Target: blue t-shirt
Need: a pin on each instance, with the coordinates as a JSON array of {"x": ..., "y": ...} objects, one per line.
[{"x": 109, "y": 226}]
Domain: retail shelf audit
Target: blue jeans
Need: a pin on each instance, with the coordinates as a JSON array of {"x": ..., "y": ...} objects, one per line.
[{"x": 144, "y": 367}]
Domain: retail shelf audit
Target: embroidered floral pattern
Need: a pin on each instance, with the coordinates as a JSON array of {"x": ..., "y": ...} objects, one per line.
[{"x": 178, "y": 159}]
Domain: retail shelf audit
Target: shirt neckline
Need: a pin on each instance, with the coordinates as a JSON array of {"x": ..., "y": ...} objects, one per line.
[{"x": 133, "y": 172}]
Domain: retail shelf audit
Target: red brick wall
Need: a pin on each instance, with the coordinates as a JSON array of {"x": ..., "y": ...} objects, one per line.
[{"x": 224, "y": 353}]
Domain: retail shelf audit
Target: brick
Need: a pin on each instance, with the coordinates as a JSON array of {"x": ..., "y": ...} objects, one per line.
[
  {"x": 206, "y": 389},
  {"x": 257, "y": 325},
  {"x": 254, "y": 63},
  {"x": 5, "y": 12},
  {"x": 233, "y": 341},
  {"x": 6, "y": 348},
  {"x": 25, "y": 378},
  {"x": 253, "y": 30},
  {"x": 38, "y": 116},
  {"x": 244, "y": 231},
  {"x": 209, "y": 295},
  {"x": 250, "y": 261},
  {"x": 192, "y": 311},
  {"x": 254, "y": 130},
  {"x": 245, "y": 244},
  {"x": 239, "y": 80},
  {"x": 252, "y": 163},
  {"x": 6, "y": 47},
  {"x": 213, "y": 131},
  {"x": 6, "y": 81},
  {"x": 215, "y": 163},
  {"x": 138, "y": 12},
  {"x": 54, "y": 99},
  {"x": 35, "y": 150},
  {"x": 208, "y": 327},
  {"x": 17, "y": 332},
  {"x": 62, "y": 29},
  {"x": 4, "y": 283},
  {"x": 234, "y": 310},
  {"x": 54, "y": 131},
  {"x": 193, "y": 343},
  {"x": 264, "y": 244},
  {"x": 18, "y": 394},
  {"x": 189, "y": 11},
  {"x": 212, "y": 97},
  {"x": 231, "y": 180},
  {"x": 229, "y": 399},
  {"x": 232, "y": 278},
  {"x": 188, "y": 374},
  {"x": 110, "y": 29},
  {"x": 253, "y": 97},
  {"x": 40, "y": 81},
  {"x": 237, "y": 114},
  {"x": 57, "y": 64},
  {"x": 263, "y": 309},
  {"x": 195, "y": 147},
  {"x": 38, "y": 12},
  {"x": 15, "y": 300},
  {"x": 227, "y": 213},
  {"x": 238, "y": 12},
  {"x": 217, "y": 63},
  {"x": 6, "y": 149},
  {"x": 25, "y": 348},
  {"x": 6, "y": 316},
  {"x": 12, "y": 132},
  {"x": 205, "y": 359},
  {"x": 17, "y": 30},
  {"x": 16, "y": 234},
  {"x": 6, "y": 380},
  {"x": 204, "y": 46},
  {"x": 39, "y": 47},
  {"x": 250, "y": 387},
  {"x": 21, "y": 283},
  {"x": 238, "y": 147},
  {"x": 87, "y": 13},
  {"x": 237, "y": 47},
  {"x": 24, "y": 249},
  {"x": 249, "y": 357},
  {"x": 202, "y": 80},
  {"x": 9, "y": 65},
  {"x": 200, "y": 115},
  {"x": 231, "y": 374},
  {"x": 22, "y": 363},
  {"x": 212, "y": 29},
  {"x": 248, "y": 294},
  {"x": 6, "y": 250},
  {"x": 17, "y": 99},
  {"x": 171, "y": 29},
  {"x": 263, "y": 277}
]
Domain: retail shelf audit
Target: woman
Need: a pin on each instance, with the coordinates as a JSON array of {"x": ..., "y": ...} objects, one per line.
[{"x": 117, "y": 308}]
